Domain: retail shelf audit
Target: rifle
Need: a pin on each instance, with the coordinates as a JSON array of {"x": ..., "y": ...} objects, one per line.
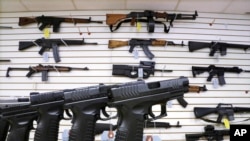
[
  {"x": 143, "y": 43},
  {"x": 215, "y": 46},
  {"x": 210, "y": 134},
  {"x": 134, "y": 104},
  {"x": 19, "y": 117},
  {"x": 44, "y": 70},
  {"x": 147, "y": 68},
  {"x": 223, "y": 110},
  {"x": 47, "y": 44},
  {"x": 219, "y": 71},
  {"x": 46, "y": 21},
  {"x": 132, "y": 17}
]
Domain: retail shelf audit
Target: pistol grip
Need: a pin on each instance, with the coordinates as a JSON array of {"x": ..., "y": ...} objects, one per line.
[
  {"x": 19, "y": 133},
  {"x": 48, "y": 124},
  {"x": 4, "y": 127},
  {"x": 83, "y": 127},
  {"x": 55, "y": 52},
  {"x": 131, "y": 128},
  {"x": 147, "y": 52}
]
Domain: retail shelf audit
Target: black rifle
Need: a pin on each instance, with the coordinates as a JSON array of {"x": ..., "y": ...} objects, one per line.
[
  {"x": 54, "y": 21},
  {"x": 147, "y": 69},
  {"x": 19, "y": 117},
  {"x": 132, "y": 17},
  {"x": 216, "y": 71},
  {"x": 222, "y": 110},
  {"x": 47, "y": 44},
  {"x": 134, "y": 104},
  {"x": 143, "y": 43},
  {"x": 210, "y": 134},
  {"x": 215, "y": 46},
  {"x": 44, "y": 70}
]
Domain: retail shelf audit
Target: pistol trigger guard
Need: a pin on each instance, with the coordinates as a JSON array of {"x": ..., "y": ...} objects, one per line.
[
  {"x": 104, "y": 112},
  {"x": 68, "y": 114}
]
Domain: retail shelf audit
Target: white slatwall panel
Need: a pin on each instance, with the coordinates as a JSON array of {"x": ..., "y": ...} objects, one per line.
[{"x": 226, "y": 28}]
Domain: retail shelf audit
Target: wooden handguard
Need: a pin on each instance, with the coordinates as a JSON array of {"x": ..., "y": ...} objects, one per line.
[
  {"x": 161, "y": 15},
  {"x": 115, "y": 43},
  {"x": 112, "y": 19},
  {"x": 159, "y": 43}
]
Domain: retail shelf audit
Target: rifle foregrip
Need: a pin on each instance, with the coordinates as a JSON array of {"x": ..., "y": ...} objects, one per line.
[
  {"x": 131, "y": 128},
  {"x": 19, "y": 133},
  {"x": 159, "y": 43},
  {"x": 48, "y": 127},
  {"x": 202, "y": 111},
  {"x": 83, "y": 128},
  {"x": 115, "y": 43}
]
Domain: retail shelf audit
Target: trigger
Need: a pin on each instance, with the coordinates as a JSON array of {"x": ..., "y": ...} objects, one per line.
[{"x": 105, "y": 113}]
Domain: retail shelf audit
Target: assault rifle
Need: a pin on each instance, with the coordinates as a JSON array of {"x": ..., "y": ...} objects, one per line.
[
  {"x": 46, "y": 21},
  {"x": 143, "y": 43},
  {"x": 219, "y": 71},
  {"x": 215, "y": 46},
  {"x": 53, "y": 44},
  {"x": 44, "y": 70},
  {"x": 134, "y": 104},
  {"x": 222, "y": 109},
  {"x": 146, "y": 68},
  {"x": 210, "y": 134},
  {"x": 133, "y": 17}
]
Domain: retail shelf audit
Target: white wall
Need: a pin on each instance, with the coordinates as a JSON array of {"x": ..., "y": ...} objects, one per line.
[{"x": 227, "y": 28}]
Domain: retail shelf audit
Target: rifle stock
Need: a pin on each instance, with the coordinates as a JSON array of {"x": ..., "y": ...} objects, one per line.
[
  {"x": 26, "y": 20},
  {"x": 200, "y": 111},
  {"x": 115, "y": 43},
  {"x": 193, "y": 46},
  {"x": 193, "y": 137},
  {"x": 25, "y": 44},
  {"x": 112, "y": 19}
]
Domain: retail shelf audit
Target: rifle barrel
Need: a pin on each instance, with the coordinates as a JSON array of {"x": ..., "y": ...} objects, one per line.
[{"x": 163, "y": 70}]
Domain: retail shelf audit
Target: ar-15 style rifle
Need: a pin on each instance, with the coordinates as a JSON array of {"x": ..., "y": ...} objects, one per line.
[
  {"x": 215, "y": 46},
  {"x": 147, "y": 69},
  {"x": 47, "y": 44},
  {"x": 222, "y": 109},
  {"x": 132, "y": 17},
  {"x": 44, "y": 70},
  {"x": 210, "y": 134},
  {"x": 54, "y": 21},
  {"x": 219, "y": 71},
  {"x": 143, "y": 43}
]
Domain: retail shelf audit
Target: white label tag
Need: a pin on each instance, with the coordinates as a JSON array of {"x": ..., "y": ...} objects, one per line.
[
  {"x": 65, "y": 135},
  {"x": 151, "y": 138},
  {"x": 215, "y": 82},
  {"x": 170, "y": 104},
  {"x": 136, "y": 53},
  {"x": 45, "y": 56},
  {"x": 140, "y": 72},
  {"x": 106, "y": 137}
]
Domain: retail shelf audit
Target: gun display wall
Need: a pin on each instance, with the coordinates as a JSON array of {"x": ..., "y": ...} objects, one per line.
[{"x": 154, "y": 53}]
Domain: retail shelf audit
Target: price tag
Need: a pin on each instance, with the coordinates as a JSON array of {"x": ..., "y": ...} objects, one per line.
[
  {"x": 140, "y": 72},
  {"x": 46, "y": 33},
  {"x": 107, "y": 137},
  {"x": 138, "y": 26},
  {"x": 170, "y": 104},
  {"x": 151, "y": 138},
  {"x": 226, "y": 123},
  {"x": 45, "y": 56},
  {"x": 215, "y": 82},
  {"x": 136, "y": 53},
  {"x": 65, "y": 135}
]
